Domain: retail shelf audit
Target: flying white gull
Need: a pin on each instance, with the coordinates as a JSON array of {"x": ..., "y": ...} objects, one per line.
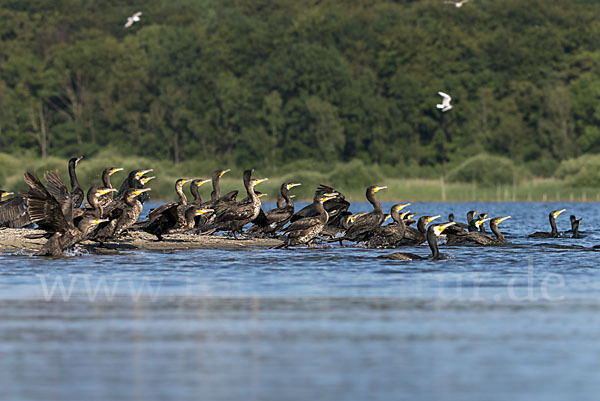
[
  {"x": 133, "y": 19},
  {"x": 457, "y": 4},
  {"x": 445, "y": 105}
]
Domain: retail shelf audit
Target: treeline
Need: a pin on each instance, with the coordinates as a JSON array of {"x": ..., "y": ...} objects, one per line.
[{"x": 252, "y": 82}]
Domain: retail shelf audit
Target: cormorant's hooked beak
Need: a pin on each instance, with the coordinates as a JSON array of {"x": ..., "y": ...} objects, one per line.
[
  {"x": 260, "y": 195},
  {"x": 290, "y": 186},
  {"x": 142, "y": 172},
  {"x": 481, "y": 221},
  {"x": 224, "y": 172},
  {"x": 114, "y": 170},
  {"x": 500, "y": 220},
  {"x": 352, "y": 218},
  {"x": 140, "y": 191},
  {"x": 377, "y": 189},
  {"x": 184, "y": 181},
  {"x": 200, "y": 183},
  {"x": 99, "y": 221},
  {"x": 430, "y": 219},
  {"x": 441, "y": 227},
  {"x": 78, "y": 159},
  {"x": 203, "y": 211},
  {"x": 400, "y": 207},
  {"x": 256, "y": 182},
  {"x": 144, "y": 180},
  {"x": 5, "y": 194},
  {"x": 104, "y": 191},
  {"x": 386, "y": 217},
  {"x": 410, "y": 216},
  {"x": 404, "y": 214},
  {"x": 558, "y": 212}
]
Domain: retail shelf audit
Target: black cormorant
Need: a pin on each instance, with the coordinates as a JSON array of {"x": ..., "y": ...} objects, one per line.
[
  {"x": 367, "y": 223},
  {"x": 416, "y": 236},
  {"x": 122, "y": 214},
  {"x": 76, "y": 192},
  {"x": 133, "y": 181},
  {"x": 51, "y": 207},
  {"x": 106, "y": 173},
  {"x": 304, "y": 231},
  {"x": 433, "y": 232},
  {"x": 233, "y": 217},
  {"x": 389, "y": 236},
  {"x": 554, "y": 233},
  {"x": 478, "y": 237},
  {"x": 275, "y": 219}
]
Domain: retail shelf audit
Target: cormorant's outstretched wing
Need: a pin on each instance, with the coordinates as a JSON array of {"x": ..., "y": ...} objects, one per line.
[
  {"x": 13, "y": 213},
  {"x": 43, "y": 208},
  {"x": 57, "y": 188}
]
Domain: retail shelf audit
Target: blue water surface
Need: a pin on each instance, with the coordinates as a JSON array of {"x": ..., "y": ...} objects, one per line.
[{"x": 518, "y": 322}]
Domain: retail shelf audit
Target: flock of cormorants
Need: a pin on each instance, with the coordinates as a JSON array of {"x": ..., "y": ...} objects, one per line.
[{"x": 111, "y": 213}]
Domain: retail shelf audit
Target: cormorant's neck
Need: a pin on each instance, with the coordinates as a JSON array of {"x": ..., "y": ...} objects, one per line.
[
  {"x": 323, "y": 216},
  {"x": 93, "y": 201},
  {"x": 421, "y": 226},
  {"x": 196, "y": 194},
  {"x": 106, "y": 180},
  {"x": 286, "y": 196},
  {"x": 182, "y": 197},
  {"x": 497, "y": 233},
  {"x": 472, "y": 226},
  {"x": 374, "y": 202},
  {"x": 73, "y": 176},
  {"x": 216, "y": 192},
  {"x": 554, "y": 231},
  {"x": 433, "y": 245}
]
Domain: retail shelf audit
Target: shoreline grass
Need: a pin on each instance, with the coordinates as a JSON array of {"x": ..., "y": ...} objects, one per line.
[{"x": 12, "y": 168}]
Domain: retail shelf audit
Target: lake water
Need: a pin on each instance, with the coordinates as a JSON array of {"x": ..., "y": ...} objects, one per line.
[{"x": 518, "y": 322}]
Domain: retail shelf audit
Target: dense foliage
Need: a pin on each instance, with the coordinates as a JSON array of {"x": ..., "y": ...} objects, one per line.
[{"x": 265, "y": 82}]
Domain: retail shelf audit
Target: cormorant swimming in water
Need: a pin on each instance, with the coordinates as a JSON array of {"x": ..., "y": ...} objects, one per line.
[
  {"x": 554, "y": 233},
  {"x": 478, "y": 237},
  {"x": 433, "y": 232},
  {"x": 416, "y": 236},
  {"x": 575, "y": 227}
]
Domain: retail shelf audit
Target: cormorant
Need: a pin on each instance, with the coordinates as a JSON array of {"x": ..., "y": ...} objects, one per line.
[
  {"x": 275, "y": 219},
  {"x": 133, "y": 181},
  {"x": 554, "y": 233},
  {"x": 233, "y": 217},
  {"x": 106, "y": 173},
  {"x": 482, "y": 216},
  {"x": 417, "y": 236},
  {"x": 215, "y": 195},
  {"x": 51, "y": 207},
  {"x": 367, "y": 223},
  {"x": 478, "y": 237},
  {"x": 336, "y": 208},
  {"x": 76, "y": 192},
  {"x": 575, "y": 227},
  {"x": 304, "y": 230},
  {"x": 195, "y": 190},
  {"x": 122, "y": 214},
  {"x": 433, "y": 232},
  {"x": 389, "y": 236}
]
